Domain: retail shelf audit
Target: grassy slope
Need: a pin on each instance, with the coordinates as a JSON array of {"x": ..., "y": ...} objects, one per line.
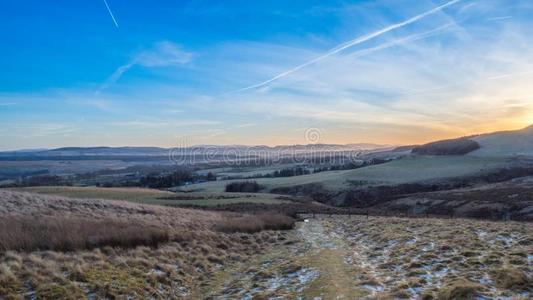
[
  {"x": 405, "y": 170},
  {"x": 152, "y": 196},
  {"x": 170, "y": 271},
  {"x": 489, "y": 200},
  {"x": 247, "y": 171},
  {"x": 510, "y": 143},
  {"x": 354, "y": 257}
]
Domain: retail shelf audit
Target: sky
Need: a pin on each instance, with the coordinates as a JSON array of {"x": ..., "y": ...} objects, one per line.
[{"x": 158, "y": 73}]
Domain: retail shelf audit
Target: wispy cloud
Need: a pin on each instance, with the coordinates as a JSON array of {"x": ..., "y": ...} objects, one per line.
[
  {"x": 502, "y": 76},
  {"x": 163, "y": 124},
  {"x": 456, "y": 73},
  {"x": 163, "y": 54},
  {"x": 500, "y": 18},
  {"x": 352, "y": 43},
  {"x": 42, "y": 130},
  {"x": 402, "y": 41}
]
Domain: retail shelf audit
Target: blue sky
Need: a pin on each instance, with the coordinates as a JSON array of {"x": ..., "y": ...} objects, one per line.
[{"x": 261, "y": 72}]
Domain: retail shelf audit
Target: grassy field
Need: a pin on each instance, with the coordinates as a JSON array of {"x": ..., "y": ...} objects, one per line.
[
  {"x": 111, "y": 251},
  {"x": 506, "y": 144},
  {"x": 246, "y": 171},
  {"x": 209, "y": 255},
  {"x": 344, "y": 257},
  {"x": 405, "y": 170},
  {"x": 153, "y": 196}
]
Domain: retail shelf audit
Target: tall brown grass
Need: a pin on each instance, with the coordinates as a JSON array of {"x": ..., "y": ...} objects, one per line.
[
  {"x": 25, "y": 233},
  {"x": 123, "y": 263}
]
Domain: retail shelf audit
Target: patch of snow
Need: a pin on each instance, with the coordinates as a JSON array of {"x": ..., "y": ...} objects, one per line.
[
  {"x": 306, "y": 275},
  {"x": 485, "y": 280},
  {"x": 442, "y": 272},
  {"x": 507, "y": 240},
  {"x": 429, "y": 247},
  {"x": 481, "y": 233},
  {"x": 157, "y": 272},
  {"x": 373, "y": 288},
  {"x": 414, "y": 291}
]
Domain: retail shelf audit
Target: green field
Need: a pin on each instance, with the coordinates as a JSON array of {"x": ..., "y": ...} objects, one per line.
[
  {"x": 406, "y": 170},
  {"x": 152, "y": 196},
  {"x": 247, "y": 171}
]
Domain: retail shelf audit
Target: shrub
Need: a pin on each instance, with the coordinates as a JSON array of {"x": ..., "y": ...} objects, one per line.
[
  {"x": 255, "y": 223},
  {"x": 315, "y": 191},
  {"x": 24, "y": 233},
  {"x": 460, "y": 289},
  {"x": 510, "y": 278},
  {"x": 158, "y": 181},
  {"x": 459, "y": 146},
  {"x": 243, "y": 187}
]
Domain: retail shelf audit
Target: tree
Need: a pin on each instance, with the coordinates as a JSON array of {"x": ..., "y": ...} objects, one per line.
[{"x": 211, "y": 177}]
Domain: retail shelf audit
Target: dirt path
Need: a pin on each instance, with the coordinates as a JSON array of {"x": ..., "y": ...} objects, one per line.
[
  {"x": 314, "y": 266},
  {"x": 378, "y": 258}
]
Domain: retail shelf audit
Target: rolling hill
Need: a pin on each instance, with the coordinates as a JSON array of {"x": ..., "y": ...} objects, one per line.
[
  {"x": 238, "y": 150},
  {"x": 505, "y": 143},
  {"x": 436, "y": 166}
]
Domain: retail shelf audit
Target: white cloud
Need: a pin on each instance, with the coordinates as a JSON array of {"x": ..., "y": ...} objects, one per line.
[
  {"x": 437, "y": 78},
  {"x": 163, "y": 54}
]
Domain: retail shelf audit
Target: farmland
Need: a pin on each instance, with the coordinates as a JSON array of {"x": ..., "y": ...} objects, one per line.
[
  {"x": 405, "y": 170},
  {"x": 152, "y": 196}
]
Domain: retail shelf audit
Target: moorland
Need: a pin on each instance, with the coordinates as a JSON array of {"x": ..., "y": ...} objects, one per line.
[{"x": 445, "y": 220}]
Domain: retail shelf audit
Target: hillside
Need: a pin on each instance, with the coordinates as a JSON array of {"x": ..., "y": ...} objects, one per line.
[
  {"x": 437, "y": 166},
  {"x": 459, "y": 146},
  {"x": 504, "y": 200},
  {"x": 505, "y": 144},
  {"x": 404, "y": 170},
  {"x": 63, "y": 248},
  {"x": 191, "y": 150}
]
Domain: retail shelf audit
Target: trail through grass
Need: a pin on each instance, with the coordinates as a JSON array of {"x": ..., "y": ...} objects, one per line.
[{"x": 346, "y": 257}]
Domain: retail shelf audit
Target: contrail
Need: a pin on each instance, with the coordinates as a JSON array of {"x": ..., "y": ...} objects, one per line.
[
  {"x": 111, "y": 13},
  {"x": 404, "y": 40},
  {"x": 352, "y": 43}
]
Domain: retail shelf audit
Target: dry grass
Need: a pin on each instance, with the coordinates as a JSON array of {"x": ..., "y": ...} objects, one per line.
[
  {"x": 24, "y": 233},
  {"x": 255, "y": 223},
  {"x": 114, "y": 253},
  {"x": 460, "y": 289},
  {"x": 153, "y": 196},
  {"x": 173, "y": 219},
  {"x": 511, "y": 278},
  {"x": 432, "y": 258}
]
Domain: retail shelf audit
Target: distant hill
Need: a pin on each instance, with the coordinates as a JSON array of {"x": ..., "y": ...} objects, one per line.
[
  {"x": 514, "y": 143},
  {"x": 505, "y": 143},
  {"x": 459, "y": 146},
  {"x": 193, "y": 150}
]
